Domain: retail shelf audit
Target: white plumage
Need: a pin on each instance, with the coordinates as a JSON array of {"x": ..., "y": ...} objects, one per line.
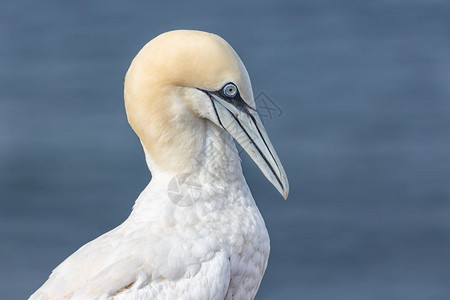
[{"x": 195, "y": 231}]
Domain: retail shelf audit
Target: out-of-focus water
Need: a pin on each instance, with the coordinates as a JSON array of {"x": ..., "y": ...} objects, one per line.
[{"x": 363, "y": 130}]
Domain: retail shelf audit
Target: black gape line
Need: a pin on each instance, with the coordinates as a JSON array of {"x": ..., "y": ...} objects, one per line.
[
  {"x": 264, "y": 140},
  {"x": 256, "y": 146},
  {"x": 215, "y": 110},
  {"x": 240, "y": 104}
]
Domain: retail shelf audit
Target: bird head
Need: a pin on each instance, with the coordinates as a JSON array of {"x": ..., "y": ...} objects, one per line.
[{"x": 182, "y": 79}]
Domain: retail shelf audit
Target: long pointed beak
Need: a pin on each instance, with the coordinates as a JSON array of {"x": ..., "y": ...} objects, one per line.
[{"x": 244, "y": 124}]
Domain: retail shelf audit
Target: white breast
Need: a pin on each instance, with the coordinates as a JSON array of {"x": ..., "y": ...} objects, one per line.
[{"x": 188, "y": 237}]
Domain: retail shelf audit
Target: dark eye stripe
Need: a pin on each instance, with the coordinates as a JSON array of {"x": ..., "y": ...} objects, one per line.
[{"x": 236, "y": 101}]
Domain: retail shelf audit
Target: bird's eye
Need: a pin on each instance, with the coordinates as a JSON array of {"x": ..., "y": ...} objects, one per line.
[{"x": 229, "y": 90}]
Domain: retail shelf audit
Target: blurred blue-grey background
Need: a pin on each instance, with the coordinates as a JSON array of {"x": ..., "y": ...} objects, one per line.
[{"x": 359, "y": 96}]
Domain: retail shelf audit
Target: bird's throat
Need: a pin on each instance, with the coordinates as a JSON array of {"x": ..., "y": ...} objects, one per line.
[{"x": 200, "y": 149}]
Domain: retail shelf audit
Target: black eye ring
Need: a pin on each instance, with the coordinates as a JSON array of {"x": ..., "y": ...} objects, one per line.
[{"x": 230, "y": 90}]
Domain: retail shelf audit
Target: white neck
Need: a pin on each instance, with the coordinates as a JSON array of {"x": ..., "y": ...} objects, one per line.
[{"x": 216, "y": 177}]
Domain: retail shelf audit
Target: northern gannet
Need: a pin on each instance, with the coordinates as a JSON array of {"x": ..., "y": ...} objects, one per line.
[{"x": 195, "y": 231}]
